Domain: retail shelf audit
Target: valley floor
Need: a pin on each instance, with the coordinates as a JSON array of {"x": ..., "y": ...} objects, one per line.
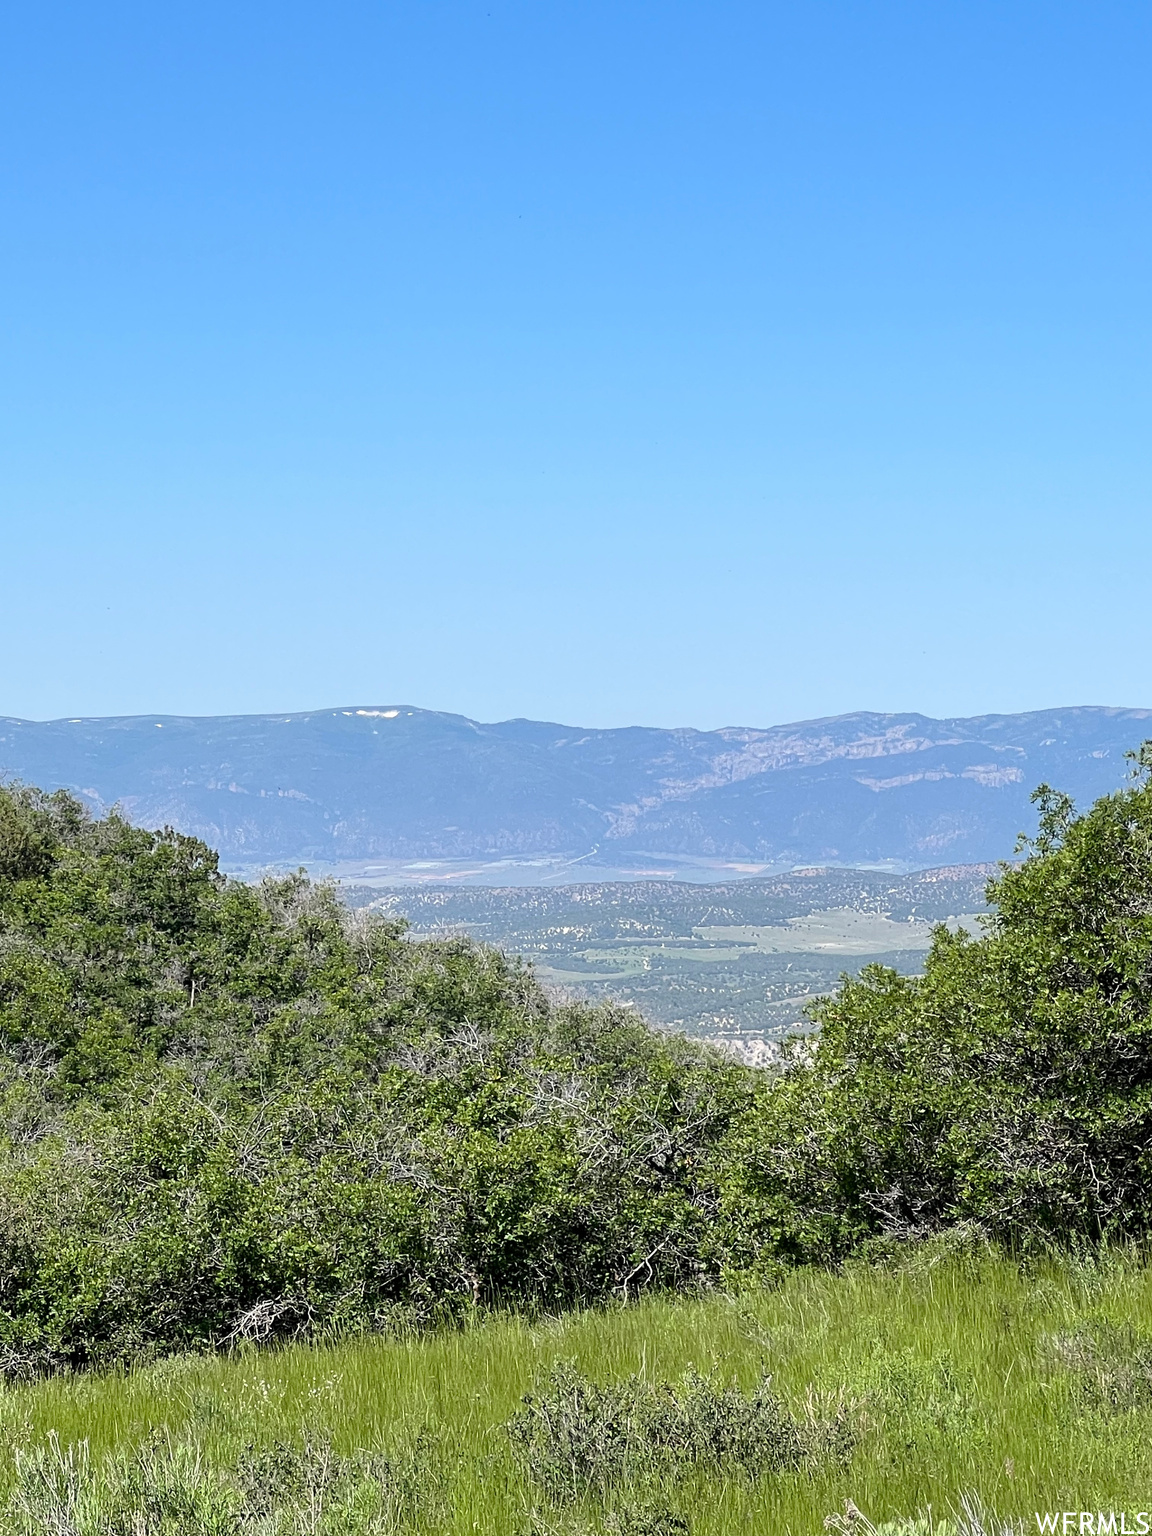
[{"x": 735, "y": 964}]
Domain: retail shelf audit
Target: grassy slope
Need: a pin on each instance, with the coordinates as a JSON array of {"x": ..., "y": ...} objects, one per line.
[{"x": 949, "y": 1367}]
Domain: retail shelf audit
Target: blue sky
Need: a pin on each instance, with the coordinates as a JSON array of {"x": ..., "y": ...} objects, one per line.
[{"x": 603, "y": 362}]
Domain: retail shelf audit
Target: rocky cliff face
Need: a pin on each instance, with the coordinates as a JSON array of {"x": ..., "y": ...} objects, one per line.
[{"x": 395, "y": 781}]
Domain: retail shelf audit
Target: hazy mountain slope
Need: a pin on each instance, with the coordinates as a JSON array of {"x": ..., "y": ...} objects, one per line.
[{"x": 403, "y": 782}]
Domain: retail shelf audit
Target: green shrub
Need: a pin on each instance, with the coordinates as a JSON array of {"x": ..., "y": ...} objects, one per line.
[
  {"x": 973, "y": 1519},
  {"x": 575, "y": 1437},
  {"x": 1110, "y": 1363},
  {"x": 171, "y": 1488}
]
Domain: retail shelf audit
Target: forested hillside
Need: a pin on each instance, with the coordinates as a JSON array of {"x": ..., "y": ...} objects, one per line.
[{"x": 232, "y": 1112}]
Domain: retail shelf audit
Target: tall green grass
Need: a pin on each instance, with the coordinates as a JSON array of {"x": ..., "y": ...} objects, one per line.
[{"x": 959, "y": 1375}]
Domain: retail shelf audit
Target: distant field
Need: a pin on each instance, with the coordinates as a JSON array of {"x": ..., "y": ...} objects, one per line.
[
  {"x": 839, "y": 931},
  {"x": 946, "y": 1378},
  {"x": 735, "y": 962}
]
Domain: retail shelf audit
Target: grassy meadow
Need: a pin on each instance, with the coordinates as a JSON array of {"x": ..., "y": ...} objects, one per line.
[{"x": 949, "y": 1376}]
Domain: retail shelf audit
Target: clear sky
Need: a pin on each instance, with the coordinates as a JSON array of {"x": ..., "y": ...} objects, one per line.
[{"x": 609, "y": 362}]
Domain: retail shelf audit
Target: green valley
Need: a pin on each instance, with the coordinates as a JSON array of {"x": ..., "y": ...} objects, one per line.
[{"x": 734, "y": 963}]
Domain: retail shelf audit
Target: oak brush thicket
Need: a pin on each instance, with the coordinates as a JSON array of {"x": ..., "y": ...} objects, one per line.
[{"x": 232, "y": 1112}]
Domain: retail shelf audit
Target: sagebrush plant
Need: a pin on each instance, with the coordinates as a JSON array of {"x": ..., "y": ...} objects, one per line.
[
  {"x": 575, "y": 1437},
  {"x": 1110, "y": 1363},
  {"x": 972, "y": 1518},
  {"x": 171, "y": 1488}
]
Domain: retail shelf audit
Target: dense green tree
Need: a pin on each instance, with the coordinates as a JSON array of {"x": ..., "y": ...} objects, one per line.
[
  {"x": 228, "y": 1110},
  {"x": 1010, "y": 1084}
]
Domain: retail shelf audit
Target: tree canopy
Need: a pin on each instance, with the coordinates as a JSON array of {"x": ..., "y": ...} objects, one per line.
[
  {"x": 1011, "y": 1084},
  {"x": 230, "y": 1110}
]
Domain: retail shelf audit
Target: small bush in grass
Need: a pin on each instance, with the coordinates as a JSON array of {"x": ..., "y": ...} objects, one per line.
[
  {"x": 972, "y": 1519},
  {"x": 925, "y": 1403},
  {"x": 647, "y": 1520},
  {"x": 167, "y": 1488},
  {"x": 575, "y": 1437},
  {"x": 1110, "y": 1363},
  {"x": 646, "y": 1517},
  {"x": 162, "y": 1488},
  {"x": 363, "y": 1493}
]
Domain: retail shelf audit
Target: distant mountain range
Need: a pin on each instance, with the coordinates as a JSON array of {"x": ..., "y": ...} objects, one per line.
[{"x": 399, "y": 782}]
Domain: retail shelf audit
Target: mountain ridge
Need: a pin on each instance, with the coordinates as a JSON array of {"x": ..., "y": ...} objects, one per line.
[{"x": 394, "y": 780}]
